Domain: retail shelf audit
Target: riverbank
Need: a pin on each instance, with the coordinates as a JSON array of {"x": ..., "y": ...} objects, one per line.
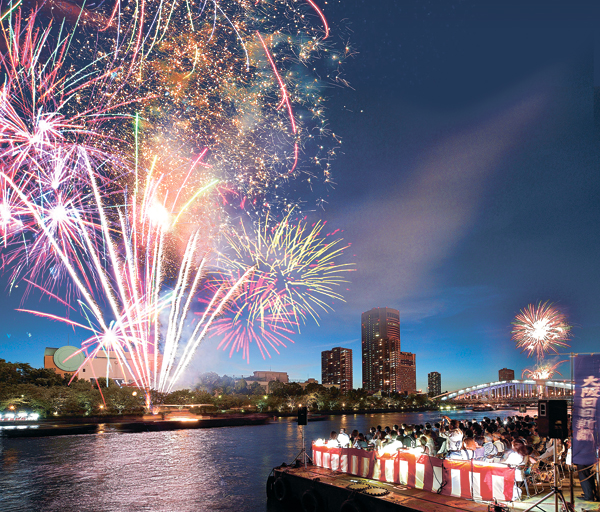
[{"x": 97, "y": 425}]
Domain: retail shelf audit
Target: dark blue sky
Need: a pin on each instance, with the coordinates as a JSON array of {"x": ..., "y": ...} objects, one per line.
[{"x": 468, "y": 185}]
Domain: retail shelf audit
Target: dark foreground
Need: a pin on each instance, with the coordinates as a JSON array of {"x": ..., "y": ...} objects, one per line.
[{"x": 316, "y": 489}]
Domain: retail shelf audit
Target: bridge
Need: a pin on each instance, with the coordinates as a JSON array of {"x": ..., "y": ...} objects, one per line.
[{"x": 510, "y": 391}]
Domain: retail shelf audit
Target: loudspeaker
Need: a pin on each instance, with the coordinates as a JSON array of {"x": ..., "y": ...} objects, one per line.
[
  {"x": 552, "y": 419},
  {"x": 302, "y": 416}
]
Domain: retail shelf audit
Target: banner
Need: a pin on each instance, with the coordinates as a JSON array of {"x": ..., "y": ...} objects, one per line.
[
  {"x": 479, "y": 481},
  {"x": 586, "y": 409}
]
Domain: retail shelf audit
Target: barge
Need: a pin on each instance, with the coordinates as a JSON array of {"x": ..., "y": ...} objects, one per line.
[
  {"x": 316, "y": 489},
  {"x": 354, "y": 480}
]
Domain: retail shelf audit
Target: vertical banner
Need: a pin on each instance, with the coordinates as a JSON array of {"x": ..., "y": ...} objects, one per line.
[{"x": 586, "y": 408}]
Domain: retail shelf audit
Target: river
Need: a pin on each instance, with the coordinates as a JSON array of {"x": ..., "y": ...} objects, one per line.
[{"x": 221, "y": 469}]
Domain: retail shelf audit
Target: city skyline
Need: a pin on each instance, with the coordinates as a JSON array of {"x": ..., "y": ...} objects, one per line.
[{"x": 466, "y": 182}]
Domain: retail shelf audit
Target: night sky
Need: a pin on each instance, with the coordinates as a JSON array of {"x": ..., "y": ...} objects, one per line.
[{"x": 468, "y": 185}]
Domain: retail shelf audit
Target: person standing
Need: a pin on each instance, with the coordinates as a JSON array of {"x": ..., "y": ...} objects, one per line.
[{"x": 588, "y": 482}]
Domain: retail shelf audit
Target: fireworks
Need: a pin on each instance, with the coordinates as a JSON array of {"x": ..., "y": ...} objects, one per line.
[
  {"x": 296, "y": 274},
  {"x": 540, "y": 329},
  {"x": 129, "y": 138},
  {"x": 543, "y": 371},
  {"x": 239, "y": 328}
]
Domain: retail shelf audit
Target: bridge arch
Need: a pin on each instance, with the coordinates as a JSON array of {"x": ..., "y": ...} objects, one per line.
[{"x": 516, "y": 390}]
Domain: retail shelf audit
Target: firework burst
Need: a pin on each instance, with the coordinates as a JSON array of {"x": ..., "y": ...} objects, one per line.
[
  {"x": 540, "y": 329},
  {"x": 543, "y": 371},
  {"x": 296, "y": 274}
]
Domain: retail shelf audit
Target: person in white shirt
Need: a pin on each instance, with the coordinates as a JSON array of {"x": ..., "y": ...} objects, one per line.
[
  {"x": 517, "y": 458},
  {"x": 333, "y": 440},
  {"x": 343, "y": 438},
  {"x": 392, "y": 447},
  {"x": 454, "y": 436},
  {"x": 548, "y": 455}
]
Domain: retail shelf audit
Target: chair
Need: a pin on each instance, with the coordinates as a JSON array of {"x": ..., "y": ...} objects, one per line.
[
  {"x": 520, "y": 470},
  {"x": 534, "y": 478}
]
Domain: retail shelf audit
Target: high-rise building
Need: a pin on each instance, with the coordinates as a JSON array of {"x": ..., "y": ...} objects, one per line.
[
  {"x": 336, "y": 368},
  {"x": 380, "y": 334},
  {"x": 406, "y": 373},
  {"x": 506, "y": 374},
  {"x": 434, "y": 384}
]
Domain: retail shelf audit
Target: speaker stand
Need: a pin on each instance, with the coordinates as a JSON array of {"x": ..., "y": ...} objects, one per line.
[
  {"x": 555, "y": 491},
  {"x": 303, "y": 456}
]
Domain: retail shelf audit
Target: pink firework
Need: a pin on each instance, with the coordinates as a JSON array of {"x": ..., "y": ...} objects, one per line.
[
  {"x": 240, "y": 326},
  {"x": 539, "y": 329},
  {"x": 543, "y": 371}
]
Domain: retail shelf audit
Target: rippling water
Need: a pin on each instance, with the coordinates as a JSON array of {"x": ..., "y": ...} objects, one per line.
[{"x": 221, "y": 469}]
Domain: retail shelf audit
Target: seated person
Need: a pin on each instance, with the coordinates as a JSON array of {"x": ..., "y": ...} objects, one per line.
[
  {"x": 428, "y": 445},
  {"x": 371, "y": 433},
  {"x": 391, "y": 447},
  {"x": 377, "y": 441},
  {"x": 409, "y": 440},
  {"x": 360, "y": 442},
  {"x": 479, "y": 451},
  {"x": 454, "y": 435},
  {"x": 489, "y": 447},
  {"x": 333, "y": 440},
  {"x": 343, "y": 438},
  {"x": 465, "y": 453}
]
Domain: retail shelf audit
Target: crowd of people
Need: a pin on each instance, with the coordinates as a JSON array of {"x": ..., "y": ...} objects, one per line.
[{"x": 514, "y": 441}]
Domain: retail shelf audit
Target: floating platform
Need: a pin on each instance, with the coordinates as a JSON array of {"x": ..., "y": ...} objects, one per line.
[
  {"x": 165, "y": 425},
  {"x": 44, "y": 430},
  {"x": 316, "y": 489},
  {"x": 17, "y": 429}
]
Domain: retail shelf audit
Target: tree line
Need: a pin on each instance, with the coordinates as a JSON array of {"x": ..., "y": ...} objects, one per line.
[{"x": 40, "y": 390}]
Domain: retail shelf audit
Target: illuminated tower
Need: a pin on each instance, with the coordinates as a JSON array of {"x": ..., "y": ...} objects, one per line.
[
  {"x": 380, "y": 334},
  {"x": 434, "y": 384},
  {"x": 336, "y": 368}
]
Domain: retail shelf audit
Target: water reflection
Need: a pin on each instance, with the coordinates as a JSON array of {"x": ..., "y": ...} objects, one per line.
[{"x": 222, "y": 469}]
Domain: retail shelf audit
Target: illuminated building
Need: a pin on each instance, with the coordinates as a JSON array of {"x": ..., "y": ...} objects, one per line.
[
  {"x": 265, "y": 378},
  {"x": 65, "y": 361},
  {"x": 406, "y": 373},
  {"x": 380, "y": 336},
  {"x": 336, "y": 368},
  {"x": 434, "y": 383},
  {"x": 270, "y": 376},
  {"x": 506, "y": 374}
]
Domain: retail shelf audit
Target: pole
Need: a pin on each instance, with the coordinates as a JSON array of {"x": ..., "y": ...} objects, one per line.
[
  {"x": 571, "y": 469},
  {"x": 597, "y": 474},
  {"x": 303, "y": 447},
  {"x": 555, "y": 475}
]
